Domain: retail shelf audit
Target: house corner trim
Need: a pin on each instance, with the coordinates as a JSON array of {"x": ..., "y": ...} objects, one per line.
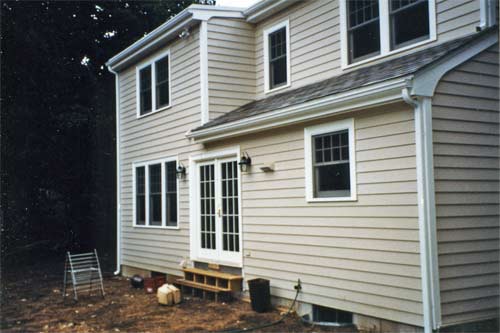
[{"x": 204, "y": 104}]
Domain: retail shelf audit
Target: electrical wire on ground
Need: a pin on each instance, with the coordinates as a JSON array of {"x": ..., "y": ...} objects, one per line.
[{"x": 298, "y": 287}]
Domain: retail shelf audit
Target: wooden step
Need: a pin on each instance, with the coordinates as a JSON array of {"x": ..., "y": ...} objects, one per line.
[
  {"x": 202, "y": 286},
  {"x": 214, "y": 274}
]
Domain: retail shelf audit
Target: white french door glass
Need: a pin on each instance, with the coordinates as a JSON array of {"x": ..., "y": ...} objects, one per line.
[{"x": 218, "y": 199}]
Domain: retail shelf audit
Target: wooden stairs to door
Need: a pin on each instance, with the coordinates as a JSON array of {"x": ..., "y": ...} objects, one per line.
[{"x": 207, "y": 283}]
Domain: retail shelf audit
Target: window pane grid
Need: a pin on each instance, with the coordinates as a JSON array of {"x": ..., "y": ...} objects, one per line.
[
  {"x": 362, "y": 11},
  {"x": 149, "y": 199},
  {"x": 363, "y": 29},
  {"x": 162, "y": 84},
  {"x": 409, "y": 21},
  {"x": 277, "y": 58},
  {"x": 155, "y": 210},
  {"x": 331, "y": 164},
  {"x": 140, "y": 196},
  {"x": 402, "y": 4},
  {"x": 171, "y": 193},
  {"x": 230, "y": 232},
  {"x": 145, "y": 90},
  {"x": 207, "y": 205}
]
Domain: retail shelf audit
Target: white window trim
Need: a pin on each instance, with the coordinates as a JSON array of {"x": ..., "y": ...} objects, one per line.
[
  {"x": 194, "y": 162},
  {"x": 265, "y": 33},
  {"x": 146, "y": 165},
  {"x": 152, "y": 62},
  {"x": 385, "y": 41},
  {"x": 309, "y": 132}
]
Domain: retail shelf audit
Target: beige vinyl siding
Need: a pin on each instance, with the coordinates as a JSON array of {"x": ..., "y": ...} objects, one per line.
[
  {"x": 456, "y": 18},
  {"x": 360, "y": 256},
  {"x": 155, "y": 136},
  {"x": 466, "y": 158},
  {"x": 315, "y": 37},
  {"x": 314, "y": 42},
  {"x": 231, "y": 65}
]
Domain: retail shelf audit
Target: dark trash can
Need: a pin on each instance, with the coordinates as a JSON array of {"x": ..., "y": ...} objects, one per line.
[{"x": 260, "y": 295}]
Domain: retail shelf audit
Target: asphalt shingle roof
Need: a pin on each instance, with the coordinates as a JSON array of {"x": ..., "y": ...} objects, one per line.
[{"x": 390, "y": 69}]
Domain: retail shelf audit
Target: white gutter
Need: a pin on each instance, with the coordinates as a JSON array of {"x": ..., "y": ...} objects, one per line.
[
  {"x": 170, "y": 29},
  {"x": 364, "y": 97},
  {"x": 118, "y": 174},
  {"x": 156, "y": 33},
  {"x": 265, "y": 8}
]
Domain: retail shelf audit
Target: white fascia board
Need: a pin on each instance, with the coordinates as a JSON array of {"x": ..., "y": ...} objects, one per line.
[
  {"x": 266, "y": 8},
  {"x": 426, "y": 80},
  {"x": 159, "y": 33},
  {"x": 185, "y": 18},
  {"x": 204, "y": 14},
  {"x": 364, "y": 97}
]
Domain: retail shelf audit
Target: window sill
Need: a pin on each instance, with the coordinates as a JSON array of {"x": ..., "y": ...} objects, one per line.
[
  {"x": 269, "y": 91},
  {"x": 388, "y": 54},
  {"x": 343, "y": 199},
  {"x": 156, "y": 227},
  {"x": 155, "y": 111}
]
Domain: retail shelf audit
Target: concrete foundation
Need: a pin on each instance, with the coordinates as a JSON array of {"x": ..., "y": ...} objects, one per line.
[{"x": 376, "y": 325}]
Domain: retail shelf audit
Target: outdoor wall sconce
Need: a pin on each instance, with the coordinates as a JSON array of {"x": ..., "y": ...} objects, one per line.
[
  {"x": 181, "y": 171},
  {"x": 245, "y": 162}
]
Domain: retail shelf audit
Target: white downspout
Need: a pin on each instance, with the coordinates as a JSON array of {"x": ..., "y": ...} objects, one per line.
[
  {"x": 118, "y": 175},
  {"x": 426, "y": 210}
]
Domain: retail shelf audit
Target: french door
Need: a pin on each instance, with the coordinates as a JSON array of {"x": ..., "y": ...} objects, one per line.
[{"x": 218, "y": 230}]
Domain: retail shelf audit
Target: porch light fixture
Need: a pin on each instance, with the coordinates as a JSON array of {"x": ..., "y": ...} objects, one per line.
[
  {"x": 245, "y": 162},
  {"x": 180, "y": 172}
]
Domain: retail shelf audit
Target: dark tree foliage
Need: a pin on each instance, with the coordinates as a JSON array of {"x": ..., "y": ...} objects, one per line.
[{"x": 58, "y": 119}]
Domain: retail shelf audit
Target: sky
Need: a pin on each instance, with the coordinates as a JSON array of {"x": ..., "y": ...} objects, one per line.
[{"x": 236, "y": 3}]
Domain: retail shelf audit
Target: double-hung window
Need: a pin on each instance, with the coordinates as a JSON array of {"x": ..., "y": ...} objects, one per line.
[
  {"x": 277, "y": 56},
  {"x": 330, "y": 161},
  {"x": 153, "y": 85},
  {"x": 156, "y": 195},
  {"x": 374, "y": 28},
  {"x": 363, "y": 29}
]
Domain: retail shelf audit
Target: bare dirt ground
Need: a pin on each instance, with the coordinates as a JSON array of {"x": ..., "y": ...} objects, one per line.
[{"x": 32, "y": 301}]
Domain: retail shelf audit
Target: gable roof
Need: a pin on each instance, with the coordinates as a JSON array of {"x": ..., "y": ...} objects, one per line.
[
  {"x": 187, "y": 18},
  {"x": 391, "y": 69}
]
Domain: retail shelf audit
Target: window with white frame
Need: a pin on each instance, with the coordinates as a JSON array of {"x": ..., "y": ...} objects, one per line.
[
  {"x": 277, "y": 56},
  {"x": 372, "y": 28},
  {"x": 156, "y": 195},
  {"x": 330, "y": 161},
  {"x": 153, "y": 85}
]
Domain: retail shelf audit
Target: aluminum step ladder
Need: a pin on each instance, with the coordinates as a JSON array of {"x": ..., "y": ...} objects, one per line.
[{"x": 83, "y": 272}]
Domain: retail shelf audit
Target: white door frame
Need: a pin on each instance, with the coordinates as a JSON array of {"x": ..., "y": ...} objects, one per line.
[{"x": 194, "y": 209}]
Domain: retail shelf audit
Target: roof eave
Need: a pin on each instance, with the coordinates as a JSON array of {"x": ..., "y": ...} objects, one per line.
[
  {"x": 266, "y": 8},
  {"x": 141, "y": 43},
  {"x": 361, "y": 98},
  {"x": 169, "y": 29}
]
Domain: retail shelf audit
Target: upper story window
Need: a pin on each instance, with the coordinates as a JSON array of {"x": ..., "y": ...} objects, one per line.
[
  {"x": 409, "y": 22},
  {"x": 277, "y": 56},
  {"x": 156, "y": 195},
  {"x": 153, "y": 85},
  {"x": 363, "y": 29},
  {"x": 330, "y": 161},
  {"x": 375, "y": 28}
]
